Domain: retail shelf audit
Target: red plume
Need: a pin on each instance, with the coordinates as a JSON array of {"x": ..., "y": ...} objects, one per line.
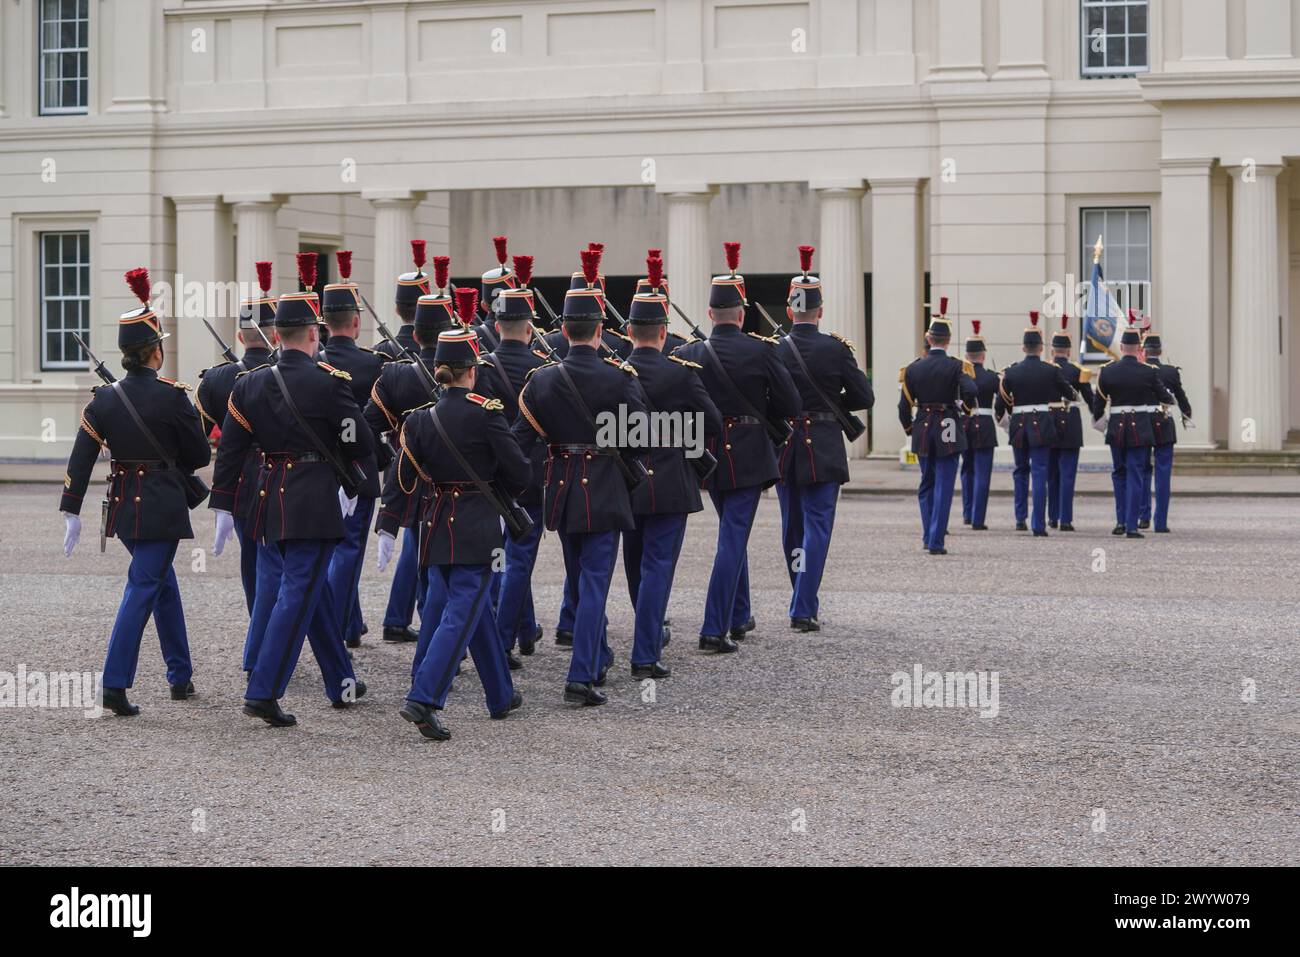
[
  {"x": 344, "y": 257},
  {"x": 733, "y": 255},
  {"x": 466, "y": 303},
  {"x": 1033, "y": 319},
  {"x": 599, "y": 247},
  {"x": 500, "y": 243},
  {"x": 654, "y": 253},
  {"x": 307, "y": 271},
  {"x": 805, "y": 258},
  {"x": 1065, "y": 320},
  {"x": 590, "y": 265},
  {"x": 524, "y": 269},
  {"x": 976, "y": 324},
  {"x": 654, "y": 273},
  {"x": 264, "y": 275},
  {"x": 441, "y": 268},
  {"x": 1132, "y": 319},
  {"x": 943, "y": 305},
  {"x": 417, "y": 253},
  {"x": 138, "y": 280}
]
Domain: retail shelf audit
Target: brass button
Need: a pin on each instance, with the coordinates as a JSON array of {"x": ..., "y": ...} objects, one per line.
[
  {"x": 281, "y": 489},
  {"x": 428, "y": 524},
  {"x": 262, "y": 492},
  {"x": 455, "y": 493},
  {"x": 566, "y": 455},
  {"x": 140, "y": 473},
  {"x": 649, "y": 471},
  {"x": 588, "y": 456},
  {"x": 584, "y": 482},
  {"x": 288, "y": 465},
  {"x": 451, "y": 518},
  {"x": 807, "y": 441},
  {"x": 728, "y": 446},
  {"x": 117, "y": 498},
  {"x": 137, "y": 499},
  {"x": 561, "y": 481}
]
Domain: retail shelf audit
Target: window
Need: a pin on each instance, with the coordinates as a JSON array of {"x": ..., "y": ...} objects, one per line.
[
  {"x": 64, "y": 56},
  {"x": 65, "y": 298},
  {"x": 1114, "y": 37},
  {"x": 1125, "y": 259}
]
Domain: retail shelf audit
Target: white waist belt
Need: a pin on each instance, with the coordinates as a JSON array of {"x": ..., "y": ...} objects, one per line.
[
  {"x": 981, "y": 411},
  {"x": 1019, "y": 409},
  {"x": 1122, "y": 409}
]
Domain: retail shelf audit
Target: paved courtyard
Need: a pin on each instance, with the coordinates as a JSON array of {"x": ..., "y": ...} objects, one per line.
[{"x": 1147, "y": 712}]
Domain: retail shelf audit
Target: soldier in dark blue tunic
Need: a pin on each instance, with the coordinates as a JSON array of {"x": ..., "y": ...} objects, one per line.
[
  {"x": 215, "y": 386},
  {"x": 587, "y": 497},
  {"x": 461, "y": 530},
  {"x": 493, "y": 282},
  {"x": 814, "y": 463},
  {"x": 1166, "y": 434},
  {"x": 341, "y": 307},
  {"x": 1027, "y": 393},
  {"x": 671, "y": 490},
  {"x": 981, "y": 437},
  {"x": 298, "y": 520},
  {"x": 935, "y": 385},
  {"x": 146, "y": 504},
  {"x": 655, "y": 270},
  {"x": 613, "y": 342},
  {"x": 410, "y": 287},
  {"x": 1063, "y": 460},
  {"x": 751, "y": 386}
]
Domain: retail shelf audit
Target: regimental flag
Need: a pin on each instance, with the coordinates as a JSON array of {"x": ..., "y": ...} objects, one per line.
[{"x": 1102, "y": 317}]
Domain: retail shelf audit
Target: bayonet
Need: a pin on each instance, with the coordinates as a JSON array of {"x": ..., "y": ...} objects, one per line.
[{"x": 96, "y": 365}]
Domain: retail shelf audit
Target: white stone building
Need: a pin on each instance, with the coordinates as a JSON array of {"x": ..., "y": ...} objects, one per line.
[{"x": 967, "y": 148}]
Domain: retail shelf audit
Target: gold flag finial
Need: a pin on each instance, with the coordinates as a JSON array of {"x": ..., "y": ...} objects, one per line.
[{"x": 1096, "y": 250}]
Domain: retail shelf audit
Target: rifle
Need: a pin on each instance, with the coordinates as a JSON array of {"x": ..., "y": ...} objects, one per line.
[
  {"x": 269, "y": 348},
  {"x": 556, "y": 321},
  {"x": 435, "y": 390},
  {"x": 226, "y": 351},
  {"x": 98, "y": 367},
  {"x": 696, "y": 331},
  {"x": 541, "y": 339}
]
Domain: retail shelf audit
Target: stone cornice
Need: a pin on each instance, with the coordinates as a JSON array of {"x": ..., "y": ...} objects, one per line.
[{"x": 1221, "y": 85}]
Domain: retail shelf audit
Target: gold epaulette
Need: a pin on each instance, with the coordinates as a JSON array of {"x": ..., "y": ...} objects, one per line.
[
  {"x": 541, "y": 355},
  {"x": 264, "y": 365},
  {"x": 620, "y": 364},
  {"x": 968, "y": 367},
  {"x": 384, "y": 356},
  {"x": 770, "y": 341},
  {"x": 902, "y": 372},
  {"x": 620, "y": 335},
  {"x": 847, "y": 342},
  {"x": 184, "y": 387},
  {"x": 686, "y": 362},
  {"x": 427, "y": 405},
  {"x": 492, "y": 405},
  {"x": 346, "y": 376},
  {"x": 1085, "y": 374},
  {"x": 203, "y": 372}
]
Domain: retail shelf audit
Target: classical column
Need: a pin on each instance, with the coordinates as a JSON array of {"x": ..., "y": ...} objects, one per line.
[
  {"x": 839, "y": 264},
  {"x": 1021, "y": 52},
  {"x": 255, "y": 239},
  {"x": 1255, "y": 378},
  {"x": 4, "y": 56},
  {"x": 203, "y": 228},
  {"x": 687, "y": 254},
  {"x": 394, "y": 230},
  {"x": 1184, "y": 309},
  {"x": 896, "y": 300}
]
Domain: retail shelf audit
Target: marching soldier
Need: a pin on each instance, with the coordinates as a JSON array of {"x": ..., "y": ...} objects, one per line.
[
  {"x": 502, "y": 374},
  {"x": 1166, "y": 434},
  {"x": 462, "y": 528},
  {"x": 1134, "y": 394},
  {"x": 745, "y": 377},
  {"x": 491, "y": 284},
  {"x": 587, "y": 498},
  {"x": 671, "y": 490},
  {"x": 934, "y": 384},
  {"x": 643, "y": 286},
  {"x": 341, "y": 307},
  {"x": 215, "y": 386},
  {"x": 613, "y": 344},
  {"x": 1063, "y": 459},
  {"x": 814, "y": 464},
  {"x": 1028, "y": 391},
  {"x": 301, "y": 413},
  {"x": 156, "y": 442},
  {"x": 410, "y": 287},
  {"x": 981, "y": 437}
]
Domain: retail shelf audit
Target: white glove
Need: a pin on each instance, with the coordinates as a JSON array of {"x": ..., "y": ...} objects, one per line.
[
  {"x": 225, "y": 528},
  {"x": 386, "y": 543},
  {"x": 348, "y": 505},
  {"x": 71, "y": 533},
  {"x": 1102, "y": 424}
]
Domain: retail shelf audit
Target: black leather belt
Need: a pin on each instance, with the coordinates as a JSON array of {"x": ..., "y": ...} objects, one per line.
[
  {"x": 936, "y": 407},
  {"x": 814, "y": 417},
  {"x": 455, "y": 488},
  {"x": 577, "y": 448},
  {"x": 741, "y": 420},
  {"x": 135, "y": 465},
  {"x": 269, "y": 457}
]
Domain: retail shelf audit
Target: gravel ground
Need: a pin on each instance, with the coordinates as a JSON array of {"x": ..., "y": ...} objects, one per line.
[{"x": 1120, "y": 703}]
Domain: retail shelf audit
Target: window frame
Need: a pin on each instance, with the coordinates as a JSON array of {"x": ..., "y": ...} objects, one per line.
[
  {"x": 1086, "y": 245},
  {"x": 42, "y": 109},
  {"x": 1128, "y": 70},
  {"x": 43, "y": 362}
]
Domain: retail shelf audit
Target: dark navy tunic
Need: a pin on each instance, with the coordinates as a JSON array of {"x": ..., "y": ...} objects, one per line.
[
  {"x": 1031, "y": 382},
  {"x": 935, "y": 383},
  {"x": 1131, "y": 389}
]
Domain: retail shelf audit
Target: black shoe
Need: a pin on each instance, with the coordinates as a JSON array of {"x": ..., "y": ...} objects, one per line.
[
  {"x": 739, "y": 633},
  {"x": 965, "y": 521},
  {"x": 600, "y": 679},
  {"x": 365, "y": 629},
  {"x": 1134, "y": 535},
  {"x": 1118, "y": 530},
  {"x": 563, "y": 638},
  {"x": 425, "y": 720},
  {"x": 653, "y": 670},
  {"x": 513, "y": 661},
  {"x": 719, "y": 643},
  {"x": 270, "y": 712},
  {"x": 358, "y": 692},
  {"x": 515, "y": 701},
  {"x": 526, "y": 648},
  {"x": 665, "y": 636},
  {"x": 979, "y": 528},
  {"x": 400, "y": 633},
  {"x": 938, "y": 551},
  {"x": 1067, "y": 527},
  {"x": 114, "y": 699},
  {"x": 1052, "y": 523},
  {"x": 1144, "y": 523},
  {"x": 353, "y": 642},
  {"x": 805, "y": 624},
  {"x": 1162, "y": 531},
  {"x": 1022, "y": 527},
  {"x": 580, "y": 692},
  {"x": 1040, "y": 533},
  {"x": 181, "y": 692}
]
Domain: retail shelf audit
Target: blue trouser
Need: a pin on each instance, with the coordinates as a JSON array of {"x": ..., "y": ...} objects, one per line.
[
  {"x": 1031, "y": 463},
  {"x": 1119, "y": 481},
  {"x": 345, "y": 568},
  {"x": 938, "y": 477},
  {"x": 433, "y": 588},
  {"x": 1162, "y": 474},
  {"x": 247, "y": 561},
  {"x": 591, "y": 557},
  {"x": 1062, "y": 469},
  {"x": 727, "y": 604},
  {"x": 650, "y": 553},
  {"x": 402, "y": 595},
  {"x": 976, "y": 479},
  {"x": 516, "y": 615},
  {"x": 807, "y": 520},
  {"x": 151, "y": 589},
  {"x": 569, "y": 595},
  {"x": 1135, "y": 471},
  {"x": 303, "y": 608},
  {"x": 466, "y": 621}
]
